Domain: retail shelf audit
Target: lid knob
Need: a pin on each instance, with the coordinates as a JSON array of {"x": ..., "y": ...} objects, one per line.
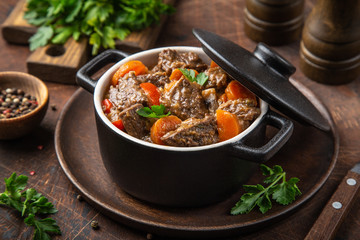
[{"x": 274, "y": 60}]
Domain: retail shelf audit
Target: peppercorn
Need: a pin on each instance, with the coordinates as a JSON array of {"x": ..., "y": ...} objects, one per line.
[
  {"x": 94, "y": 224},
  {"x": 15, "y": 102}
]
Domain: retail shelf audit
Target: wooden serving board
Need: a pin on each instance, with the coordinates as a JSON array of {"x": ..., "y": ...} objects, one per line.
[{"x": 51, "y": 63}]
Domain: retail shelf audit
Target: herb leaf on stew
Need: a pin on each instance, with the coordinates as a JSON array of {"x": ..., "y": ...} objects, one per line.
[
  {"x": 201, "y": 78},
  {"x": 257, "y": 195},
  {"x": 155, "y": 111}
]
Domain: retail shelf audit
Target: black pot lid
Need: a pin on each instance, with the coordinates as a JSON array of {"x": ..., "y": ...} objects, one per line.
[{"x": 263, "y": 72}]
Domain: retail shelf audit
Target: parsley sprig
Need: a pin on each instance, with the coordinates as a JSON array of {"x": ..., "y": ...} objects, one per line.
[
  {"x": 201, "y": 78},
  {"x": 34, "y": 203},
  {"x": 155, "y": 111},
  {"x": 101, "y": 21},
  {"x": 257, "y": 195}
]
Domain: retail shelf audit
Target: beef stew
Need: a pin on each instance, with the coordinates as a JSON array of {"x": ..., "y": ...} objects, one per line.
[{"x": 187, "y": 102}]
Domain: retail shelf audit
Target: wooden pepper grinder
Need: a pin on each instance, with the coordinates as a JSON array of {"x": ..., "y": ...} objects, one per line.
[
  {"x": 274, "y": 22},
  {"x": 330, "y": 46}
]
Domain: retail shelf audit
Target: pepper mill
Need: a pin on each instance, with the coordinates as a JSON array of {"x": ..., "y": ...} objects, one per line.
[
  {"x": 274, "y": 22},
  {"x": 330, "y": 46}
]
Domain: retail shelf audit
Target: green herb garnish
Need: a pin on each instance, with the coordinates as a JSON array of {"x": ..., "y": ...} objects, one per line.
[
  {"x": 155, "y": 111},
  {"x": 101, "y": 21},
  {"x": 283, "y": 193},
  {"x": 201, "y": 78},
  {"x": 29, "y": 203}
]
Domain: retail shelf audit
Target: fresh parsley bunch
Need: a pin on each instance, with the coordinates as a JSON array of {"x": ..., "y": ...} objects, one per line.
[
  {"x": 103, "y": 21},
  {"x": 257, "y": 195},
  {"x": 29, "y": 203}
]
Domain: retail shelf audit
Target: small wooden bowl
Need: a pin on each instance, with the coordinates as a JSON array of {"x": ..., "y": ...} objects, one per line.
[{"x": 12, "y": 128}]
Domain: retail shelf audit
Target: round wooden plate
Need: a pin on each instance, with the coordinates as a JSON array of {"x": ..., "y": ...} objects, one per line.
[{"x": 309, "y": 155}]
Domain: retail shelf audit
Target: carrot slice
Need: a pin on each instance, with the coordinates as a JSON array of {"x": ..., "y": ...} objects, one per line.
[
  {"x": 227, "y": 124},
  {"x": 168, "y": 86},
  {"x": 213, "y": 64},
  {"x": 176, "y": 74},
  {"x": 223, "y": 98},
  {"x": 119, "y": 124},
  {"x": 152, "y": 93},
  {"x": 236, "y": 91},
  {"x": 162, "y": 126},
  {"x": 135, "y": 65}
]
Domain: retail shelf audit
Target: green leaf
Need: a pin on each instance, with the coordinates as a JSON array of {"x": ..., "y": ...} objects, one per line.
[
  {"x": 283, "y": 193},
  {"x": 156, "y": 111},
  {"x": 95, "y": 40},
  {"x": 41, "y": 37},
  {"x": 246, "y": 204},
  {"x": 34, "y": 203},
  {"x": 264, "y": 203},
  {"x": 62, "y": 35},
  {"x": 74, "y": 11},
  {"x": 201, "y": 78}
]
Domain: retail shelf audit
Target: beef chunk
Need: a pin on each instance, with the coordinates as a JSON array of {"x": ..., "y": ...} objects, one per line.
[
  {"x": 159, "y": 79},
  {"x": 134, "y": 124},
  {"x": 193, "y": 132},
  {"x": 127, "y": 92},
  {"x": 184, "y": 99},
  {"x": 217, "y": 78},
  {"x": 210, "y": 98},
  {"x": 171, "y": 59},
  {"x": 243, "y": 108}
]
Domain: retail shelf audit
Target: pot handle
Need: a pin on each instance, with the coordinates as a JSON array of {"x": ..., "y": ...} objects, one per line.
[
  {"x": 265, "y": 152},
  {"x": 83, "y": 76}
]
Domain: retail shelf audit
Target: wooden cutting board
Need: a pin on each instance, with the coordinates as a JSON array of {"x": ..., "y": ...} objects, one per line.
[{"x": 60, "y": 63}]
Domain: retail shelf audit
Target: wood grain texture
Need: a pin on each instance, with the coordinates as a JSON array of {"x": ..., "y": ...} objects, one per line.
[
  {"x": 55, "y": 63},
  {"x": 332, "y": 216},
  {"x": 330, "y": 45},
  {"x": 226, "y": 19},
  {"x": 208, "y": 222}
]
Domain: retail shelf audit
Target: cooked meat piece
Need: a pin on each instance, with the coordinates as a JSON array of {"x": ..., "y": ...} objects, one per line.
[
  {"x": 184, "y": 100},
  {"x": 193, "y": 132},
  {"x": 170, "y": 59},
  {"x": 217, "y": 78},
  {"x": 127, "y": 92},
  {"x": 134, "y": 124},
  {"x": 210, "y": 98},
  {"x": 159, "y": 79},
  {"x": 244, "y": 109}
]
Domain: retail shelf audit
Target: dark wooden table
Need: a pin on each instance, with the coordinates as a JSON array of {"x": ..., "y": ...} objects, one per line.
[{"x": 74, "y": 217}]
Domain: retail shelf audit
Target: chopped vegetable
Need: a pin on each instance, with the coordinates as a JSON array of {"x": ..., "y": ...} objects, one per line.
[
  {"x": 101, "y": 21},
  {"x": 283, "y": 193},
  {"x": 152, "y": 93},
  {"x": 163, "y": 126},
  {"x": 176, "y": 74},
  {"x": 155, "y": 111},
  {"x": 119, "y": 124},
  {"x": 106, "y": 105},
  {"x": 228, "y": 125},
  {"x": 29, "y": 203},
  {"x": 236, "y": 91},
  {"x": 137, "y": 66},
  {"x": 223, "y": 98},
  {"x": 213, "y": 64},
  {"x": 194, "y": 76}
]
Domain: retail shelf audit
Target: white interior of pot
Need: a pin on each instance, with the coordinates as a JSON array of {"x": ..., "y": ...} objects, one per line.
[{"x": 149, "y": 58}]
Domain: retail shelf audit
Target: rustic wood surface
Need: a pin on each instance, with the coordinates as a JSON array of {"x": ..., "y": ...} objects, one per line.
[{"x": 224, "y": 18}]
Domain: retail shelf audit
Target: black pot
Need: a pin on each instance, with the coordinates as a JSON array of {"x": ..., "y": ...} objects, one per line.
[{"x": 178, "y": 176}]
